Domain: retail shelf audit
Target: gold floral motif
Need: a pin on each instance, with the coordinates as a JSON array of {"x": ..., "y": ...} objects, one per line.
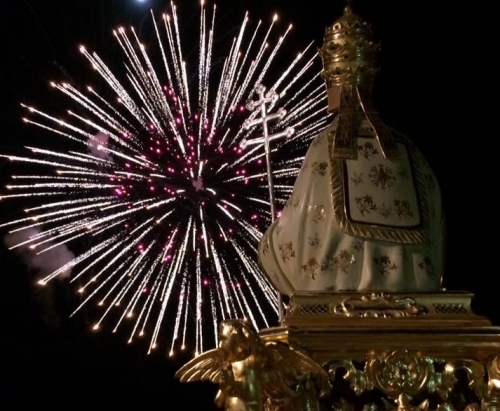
[
  {"x": 357, "y": 244},
  {"x": 417, "y": 234},
  {"x": 404, "y": 380},
  {"x": 357, "y": 179},
  {"x": 327, "y": 263},
  {"x": 316, "y": 213},
  {"x": 367, "y": 150},
  {"x": 314, "y": 241},
  {"x": 384, "y": 264},
  {"x": 311, "y": 267},
  {"x": 319, "y": 168},
  {"x": 385, "y": 211},
  {"x": 358, "y": 379},
  {"x": 342, "y": 261},
  {"x": 382, "y": 177},
  {"x": 286, "y": 251},
  {"x": 403, "y": 208},
  {"x": 401, "y": 372},
  {"x": 365, "y": 204},
  {"x": 426, "y": 265}
]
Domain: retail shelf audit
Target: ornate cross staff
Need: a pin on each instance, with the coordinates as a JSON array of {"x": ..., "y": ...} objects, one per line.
[{"x": 270, "y": 97}]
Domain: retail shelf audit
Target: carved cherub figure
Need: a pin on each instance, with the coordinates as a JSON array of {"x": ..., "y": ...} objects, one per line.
[{"x": 253, "y": 375}]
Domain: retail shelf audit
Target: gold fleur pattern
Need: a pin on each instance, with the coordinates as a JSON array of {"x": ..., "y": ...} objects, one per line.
[
  {"x": 365, "y": 204},
  {"x": 357, "y": 245},
  {"x": 316, "y": 213},
  {"x": 319, "y": 168},
  {"x": 403, "y": 208},
  {"x": 311, "y": 267},
  {"x": 426, "y": 265},
  {"x": 384, "y": 265},
  {"x": 367, "y": 150},
  {"x": 382, "y": 177},
  {"x": 314, "y": 241},
  {"x": 357, "y": 179},
  {"x": 327, "y": 263},
  {"x": 385, "y": 211},
  {"x": 287, "y": 251},
  {"x": 344, "y": 260}
]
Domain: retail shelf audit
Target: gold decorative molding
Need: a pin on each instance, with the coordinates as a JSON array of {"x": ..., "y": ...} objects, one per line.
[
  {"x": 397, "y": 351},
  {"x": 379, "y": 305},
  {"x": 419, "y": 358},
  {"x": 452, "y": 308}
]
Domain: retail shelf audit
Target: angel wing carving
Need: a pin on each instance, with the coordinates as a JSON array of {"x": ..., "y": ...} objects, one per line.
[
  {"x": 290, "y": 368},
  {"x": 208, "y": 366},
  {"x": 257, "y": 376}
]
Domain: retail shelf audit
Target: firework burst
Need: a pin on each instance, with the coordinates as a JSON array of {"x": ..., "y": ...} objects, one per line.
[{"x": 150, "y": 188}]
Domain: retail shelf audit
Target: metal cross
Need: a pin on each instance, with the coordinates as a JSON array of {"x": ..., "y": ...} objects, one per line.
[{"x": 266, "y": 138}]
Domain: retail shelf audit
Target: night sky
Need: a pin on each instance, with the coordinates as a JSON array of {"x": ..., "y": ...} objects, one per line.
[{"x": 439, "y": 84}]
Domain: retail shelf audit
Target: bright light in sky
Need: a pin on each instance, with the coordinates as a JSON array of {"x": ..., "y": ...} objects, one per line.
[{"x": 167, "y": 150}]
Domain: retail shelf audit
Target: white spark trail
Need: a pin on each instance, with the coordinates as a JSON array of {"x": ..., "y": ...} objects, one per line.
[{"x": 148, "y": 183}]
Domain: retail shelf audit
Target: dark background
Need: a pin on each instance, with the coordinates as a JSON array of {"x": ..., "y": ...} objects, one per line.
[{"x": 439, "y": 84}]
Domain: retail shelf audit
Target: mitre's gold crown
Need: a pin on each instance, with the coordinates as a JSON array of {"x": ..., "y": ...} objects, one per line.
[{"x": 349, "y": 51}]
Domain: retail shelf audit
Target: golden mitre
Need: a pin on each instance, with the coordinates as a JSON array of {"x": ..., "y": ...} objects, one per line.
[
  {"x": 349, "y": 51},
  {"x": 349, "y": 56}
]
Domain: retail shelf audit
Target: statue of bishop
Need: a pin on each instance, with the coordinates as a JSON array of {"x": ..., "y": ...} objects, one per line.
[{"x": 365, "y": 213}]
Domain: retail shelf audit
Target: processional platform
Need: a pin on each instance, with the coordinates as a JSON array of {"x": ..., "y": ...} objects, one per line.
[{"x": 384, "y": 350}]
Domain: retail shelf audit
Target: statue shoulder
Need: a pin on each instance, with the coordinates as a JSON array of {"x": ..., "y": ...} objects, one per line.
[{"x": 321, "y": 139}]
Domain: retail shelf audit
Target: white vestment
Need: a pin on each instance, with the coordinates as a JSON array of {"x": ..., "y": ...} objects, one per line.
[{"x": 367, "y": 224}]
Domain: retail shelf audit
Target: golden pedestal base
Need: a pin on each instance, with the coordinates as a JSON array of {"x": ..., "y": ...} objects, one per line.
[{"x": 396, "y": 350}]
